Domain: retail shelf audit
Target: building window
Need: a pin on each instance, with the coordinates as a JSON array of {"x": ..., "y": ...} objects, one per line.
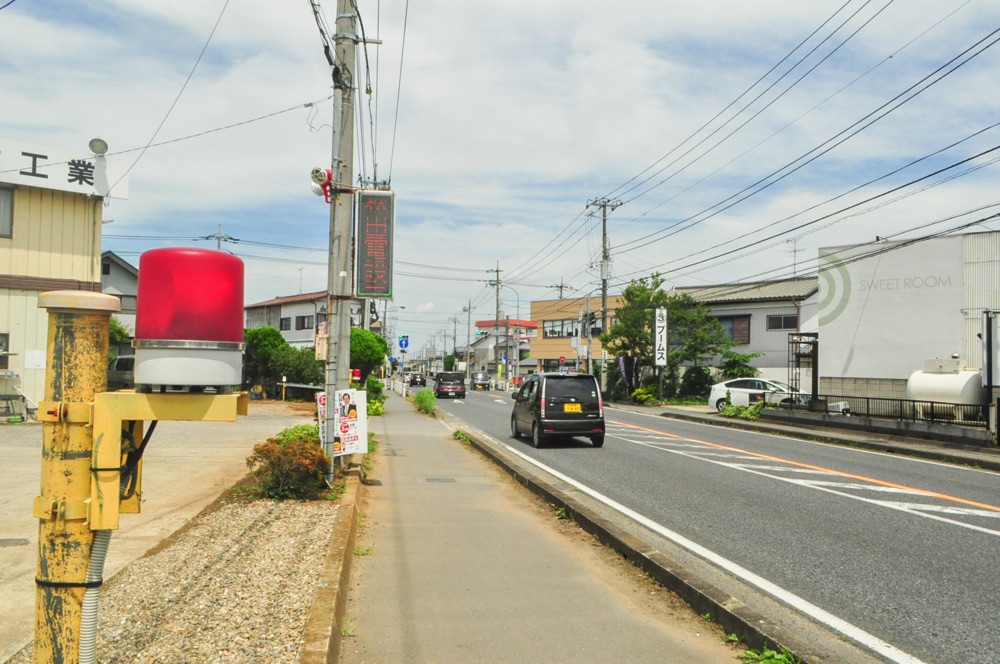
[
  {"x": 303, "y": 322},
  {"x": 128, "y": 304},
  {"x": 285, "y": 324},
  {"x": 783, "y": 322},
  {"x": 6, "y": 212},
  {"x": 738, "y": 328},
  {"x": 4, "y": 339},
  {"x": 560, "y": 328},
  {"x": 105, "y": 269}
]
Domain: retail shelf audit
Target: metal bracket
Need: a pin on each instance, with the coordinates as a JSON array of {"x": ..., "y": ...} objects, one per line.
[
  {"x": 66, "y": 510},
  {"x": 61, "y": 411}
]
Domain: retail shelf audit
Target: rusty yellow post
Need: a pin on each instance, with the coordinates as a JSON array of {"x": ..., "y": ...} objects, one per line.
[{"x": 76, "y": 369}]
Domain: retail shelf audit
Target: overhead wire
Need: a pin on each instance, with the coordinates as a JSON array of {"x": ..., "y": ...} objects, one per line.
[
  {"x": 176, "y": 99},
  {"x": 823, "y": 148},
  {"x": 894, "y": 54},
  {"x": 761, "y": 95},
  {"x": 844, "y": 194},
  {"x": 549, "y": 248}
]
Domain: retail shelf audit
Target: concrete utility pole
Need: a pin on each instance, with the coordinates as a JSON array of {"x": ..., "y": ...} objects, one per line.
[
  {"x": 468, "y": 340},
  {"x": 496, "y": 326},
  {"x": 604, "y": 204},
  {"x": 339, "y": 278}
]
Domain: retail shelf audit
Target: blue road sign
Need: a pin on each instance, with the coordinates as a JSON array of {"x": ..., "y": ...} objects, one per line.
[{"x": 404, "y": 343}]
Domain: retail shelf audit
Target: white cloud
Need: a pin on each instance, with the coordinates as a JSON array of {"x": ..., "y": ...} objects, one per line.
[{"x": 511, "y": 117}]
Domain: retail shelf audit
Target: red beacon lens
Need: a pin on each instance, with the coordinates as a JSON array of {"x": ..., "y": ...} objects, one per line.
[{"x": 189, "y": 319}]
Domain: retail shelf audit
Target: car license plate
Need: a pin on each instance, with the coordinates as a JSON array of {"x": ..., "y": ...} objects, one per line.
[{"x": 572, "y": 408}]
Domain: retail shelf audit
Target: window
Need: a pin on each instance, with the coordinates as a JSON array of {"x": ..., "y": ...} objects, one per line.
[
  {"x": 105, "y": 269},
  {"x": 285, "y": 324},
  {"x": 6, "y": 212},
  {"x": 4, "y": 340},
  {"x": 303, "y": 322},
  {"x": 560, "y": 328},
  {"x": 738, "y": 328},
  {"x": 790, "y": 322}
]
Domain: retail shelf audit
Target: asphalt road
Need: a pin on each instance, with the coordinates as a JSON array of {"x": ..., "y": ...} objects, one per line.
[{"x": 897, "y": 553}]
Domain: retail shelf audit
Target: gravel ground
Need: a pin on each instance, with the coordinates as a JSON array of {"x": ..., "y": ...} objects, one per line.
[{"x": 235, "y": 585}]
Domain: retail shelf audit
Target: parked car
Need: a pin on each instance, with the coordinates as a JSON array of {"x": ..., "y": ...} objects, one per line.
[
  {"x": 480, "y": 381},
  {"x": 450, "y": 384},
  {"x": 417, "y": 379},
  {"x": 558, "y": 405},
  {"x": 121, "y": 373},
  {"x": 745, "y": 391}
]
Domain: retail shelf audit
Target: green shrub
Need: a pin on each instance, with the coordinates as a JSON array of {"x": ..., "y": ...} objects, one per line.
[
  {"x": 425, "y": 401},
  {"x": 291, "y": 465},
  {"x": 375, "y": 408},
  {"x": 375, "y": 391},
  {"x": 749, "y": 413},
  {"x": 697, "y": 381},
  {"x": 647, "y": 396},
  {"x": 304, "y": 431}
]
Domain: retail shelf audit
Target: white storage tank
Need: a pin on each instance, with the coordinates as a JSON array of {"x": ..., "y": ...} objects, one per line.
[{"x": 960, "y": 386}]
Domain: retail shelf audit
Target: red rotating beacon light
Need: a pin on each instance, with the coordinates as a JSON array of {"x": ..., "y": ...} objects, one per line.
[{"x": 189, "y": 320}]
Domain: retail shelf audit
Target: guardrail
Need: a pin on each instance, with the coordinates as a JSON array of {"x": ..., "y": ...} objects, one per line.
[{"x": 934, "y": 412}]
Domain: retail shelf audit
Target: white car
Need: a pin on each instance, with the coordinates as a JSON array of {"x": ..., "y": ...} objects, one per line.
[{"x": 746, "y": 391}]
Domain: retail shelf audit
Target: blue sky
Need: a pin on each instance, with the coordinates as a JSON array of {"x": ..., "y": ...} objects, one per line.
[{"x": 509, "y": 118}]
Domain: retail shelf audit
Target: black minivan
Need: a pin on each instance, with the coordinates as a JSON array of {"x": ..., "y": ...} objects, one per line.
[{"x": 551, "y": 405}]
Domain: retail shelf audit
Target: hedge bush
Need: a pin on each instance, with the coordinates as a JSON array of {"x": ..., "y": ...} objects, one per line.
[{"x": 291, "y": 465}]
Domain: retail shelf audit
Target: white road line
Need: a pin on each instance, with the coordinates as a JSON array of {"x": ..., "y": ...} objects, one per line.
[
  {"x": 891, "y": 652},
  {"x": 826, "y": 487}
]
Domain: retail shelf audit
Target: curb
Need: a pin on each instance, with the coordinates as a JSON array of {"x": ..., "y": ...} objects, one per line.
[{"x": 323, "y": 636}]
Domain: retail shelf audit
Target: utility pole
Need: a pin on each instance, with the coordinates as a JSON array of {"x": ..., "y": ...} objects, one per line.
[
  {"x": 496, "y": 326},
  {"x": 468, "y": 340},
  {"x": 339, "y": 278},
  {"x": 604, "y": 204}
]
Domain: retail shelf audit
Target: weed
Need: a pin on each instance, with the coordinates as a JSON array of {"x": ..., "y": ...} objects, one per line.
[
  {"x": 708, "y": 617},
  {"x": 349, "y": 628},
  {"x": 337, "y": 490},
  {"x": 364, "y": 550},
  {"x": 561, "y": 513},
  {"x": 769, "y": 656},
  {"x": 425, "y": 401},
  {"x": 733, "y": 638},
  {"x": 462, "y": 436}
]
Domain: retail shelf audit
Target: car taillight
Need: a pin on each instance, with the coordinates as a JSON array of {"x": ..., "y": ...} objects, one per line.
[{"x": 600, "y": 405}]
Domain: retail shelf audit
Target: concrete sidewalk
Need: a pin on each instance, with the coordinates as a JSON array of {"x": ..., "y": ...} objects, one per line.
[{"x": 455, "y": 563}]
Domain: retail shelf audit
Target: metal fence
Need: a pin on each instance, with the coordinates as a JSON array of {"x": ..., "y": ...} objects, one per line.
[{"x": 901, "y": 410}]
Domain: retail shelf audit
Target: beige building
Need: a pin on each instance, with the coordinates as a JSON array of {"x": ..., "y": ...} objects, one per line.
[
  {"x": 562, "y": 338},
  {"x": 51, "y": 204}
]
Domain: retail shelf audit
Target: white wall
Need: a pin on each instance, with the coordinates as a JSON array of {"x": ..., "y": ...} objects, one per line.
[{"x": 882, "y": 316}]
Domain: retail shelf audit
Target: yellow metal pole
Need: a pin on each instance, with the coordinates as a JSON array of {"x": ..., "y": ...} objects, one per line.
[{"x": 76, "y": 368}]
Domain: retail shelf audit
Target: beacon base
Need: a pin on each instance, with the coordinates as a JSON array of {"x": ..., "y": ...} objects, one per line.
[{"x": 187, "y": 366}]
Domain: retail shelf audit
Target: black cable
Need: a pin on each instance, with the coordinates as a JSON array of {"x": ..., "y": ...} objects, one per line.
[
  {"x": 823, "y": 148},
  {"x": 129, "y": 476}
]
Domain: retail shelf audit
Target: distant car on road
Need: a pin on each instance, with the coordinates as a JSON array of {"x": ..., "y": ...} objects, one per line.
[
  {"x": 480, "y": 381},
  {"x": 746, "y": 391},
  {"x": 450, "y": 384},
  {"x": 417, "y": 379}
]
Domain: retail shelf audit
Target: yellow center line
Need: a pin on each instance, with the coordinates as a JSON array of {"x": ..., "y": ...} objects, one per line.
[{"x": 840, "y": 473}]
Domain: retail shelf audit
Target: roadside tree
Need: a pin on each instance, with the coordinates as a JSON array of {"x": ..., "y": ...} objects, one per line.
[
  {"x": 368, "y": 351},
  {"x": 694, "y": 335}
]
